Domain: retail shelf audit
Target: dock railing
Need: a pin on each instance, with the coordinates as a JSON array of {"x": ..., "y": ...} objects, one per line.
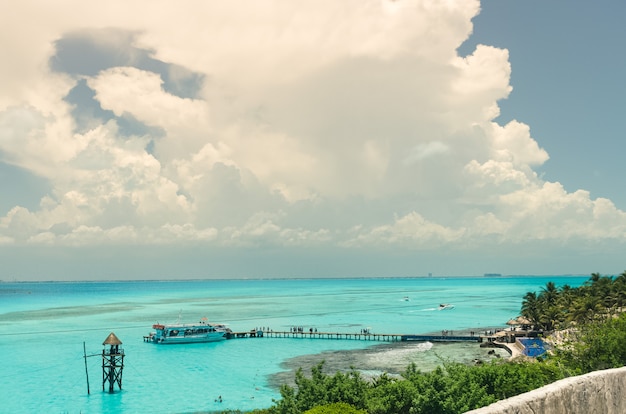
[{"x": 360, "y": 336}]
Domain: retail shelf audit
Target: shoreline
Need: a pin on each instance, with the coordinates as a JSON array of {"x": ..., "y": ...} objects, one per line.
[{"x": 392, "y": 358}]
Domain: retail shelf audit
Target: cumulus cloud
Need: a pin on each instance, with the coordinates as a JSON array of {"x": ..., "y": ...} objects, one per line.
[{"x": 354, "y": 124}]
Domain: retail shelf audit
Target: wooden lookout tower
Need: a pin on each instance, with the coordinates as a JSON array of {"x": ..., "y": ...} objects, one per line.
[{"x": 112, "y": 362}]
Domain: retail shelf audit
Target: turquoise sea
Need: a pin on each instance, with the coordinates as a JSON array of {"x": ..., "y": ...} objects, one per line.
[{"x": 44, "y": 325}]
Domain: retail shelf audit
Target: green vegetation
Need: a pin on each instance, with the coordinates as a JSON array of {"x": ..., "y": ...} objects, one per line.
[
  {"x": 335, "y": 408},
  {"x": 594, "y": 346},
  {"x": 453, "y": 388},
  {"x": 591, "y": 313},
  {"x": 599, "y": 299}
]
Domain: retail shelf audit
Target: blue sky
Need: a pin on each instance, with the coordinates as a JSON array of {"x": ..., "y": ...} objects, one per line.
[
  {"x": 567, "y": 77},
  {"x": 361, "y": 138}
]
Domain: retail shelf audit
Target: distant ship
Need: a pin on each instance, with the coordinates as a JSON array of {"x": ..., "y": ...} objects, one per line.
[
  {"x": 182, "y": 333},
  {"x": 493, "y": 275}
]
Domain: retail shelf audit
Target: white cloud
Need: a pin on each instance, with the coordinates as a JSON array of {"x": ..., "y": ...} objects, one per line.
[
  {"x": 139, "y": 93},
  {"x": 344, "y": 123},
  {"x": 549, "y": 212},
  {"x": 422, "y": 151},
  {"x": 514, "y": 143},
  {"x": 409, "y": 231}
]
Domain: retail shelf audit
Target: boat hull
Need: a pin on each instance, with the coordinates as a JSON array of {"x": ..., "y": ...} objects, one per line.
[
  {"x": 189, "y": 339},
  {"x": 188, "y": 333}
]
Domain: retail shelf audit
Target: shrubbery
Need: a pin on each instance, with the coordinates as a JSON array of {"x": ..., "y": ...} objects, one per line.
[
  {"x": 595, "y": 346},
  {"x": 453, "y": 388},
  {"x": 335, "y": 408}
]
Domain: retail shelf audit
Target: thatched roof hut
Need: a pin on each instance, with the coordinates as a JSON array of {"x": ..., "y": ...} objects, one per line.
[
  {"x": 112, "y": 339},
  {"x": 520, "y": 320}
]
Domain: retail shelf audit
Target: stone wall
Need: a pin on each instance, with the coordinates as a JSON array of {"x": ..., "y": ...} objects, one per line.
[{"x": 598, "y": 392}]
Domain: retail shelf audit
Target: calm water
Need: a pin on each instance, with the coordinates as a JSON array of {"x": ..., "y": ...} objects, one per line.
[{"x": 44, "y": 325}]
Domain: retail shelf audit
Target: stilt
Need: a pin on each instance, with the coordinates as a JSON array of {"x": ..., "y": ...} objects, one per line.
[
  {"x": 112, "y": 362},
  {"x": 86, "y": 372}
]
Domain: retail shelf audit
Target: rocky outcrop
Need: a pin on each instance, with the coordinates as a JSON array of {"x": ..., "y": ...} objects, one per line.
[{"x": 600, "y": 392}]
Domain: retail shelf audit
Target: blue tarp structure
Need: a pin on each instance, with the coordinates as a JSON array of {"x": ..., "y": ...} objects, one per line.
[{"x": 533, "y": 347}]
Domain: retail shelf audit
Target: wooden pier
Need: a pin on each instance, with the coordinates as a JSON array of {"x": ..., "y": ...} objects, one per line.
[
  {"x": 355, "y": 336},
  {"x": 443, "y": 338}
]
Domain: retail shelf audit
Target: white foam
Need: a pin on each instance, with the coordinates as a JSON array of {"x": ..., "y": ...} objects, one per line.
[{"x": 399, "y": 354}]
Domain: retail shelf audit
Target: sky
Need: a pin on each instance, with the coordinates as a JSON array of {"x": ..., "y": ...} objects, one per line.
[{"x": 164, "y": 140}]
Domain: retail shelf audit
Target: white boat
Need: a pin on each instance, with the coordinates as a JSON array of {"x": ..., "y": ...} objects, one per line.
[
  {"x": 183, "y": 333},
  {"x": 446, "y": 306}
]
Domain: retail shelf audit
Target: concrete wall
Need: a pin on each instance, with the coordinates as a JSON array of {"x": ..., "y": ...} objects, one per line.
[{"x": 600, "y": 392}]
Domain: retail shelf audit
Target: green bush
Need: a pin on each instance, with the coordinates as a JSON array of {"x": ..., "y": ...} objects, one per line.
[
  {"x": 453, "y": 388},
  {"x": 335, "y": 408},
  {"x": 595, "y": 346}
]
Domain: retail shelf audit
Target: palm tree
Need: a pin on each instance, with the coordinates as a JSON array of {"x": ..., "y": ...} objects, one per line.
[
  {"x": 599, "y": 297},
  {"x": 549, "y": 293},
  {"x": 530, "y": 308},
  {"x": 586, "y": 309},
  {"x": 593, "y": 278},
  {"x": 550, "y": 313},
  {"x": 566, "y": 300},
  {"x": 619, "y": 290},
  {"x": 551, "y": 318}
]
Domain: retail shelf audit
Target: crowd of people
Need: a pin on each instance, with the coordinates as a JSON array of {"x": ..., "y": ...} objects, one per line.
[{"x": 300, "y": 329}]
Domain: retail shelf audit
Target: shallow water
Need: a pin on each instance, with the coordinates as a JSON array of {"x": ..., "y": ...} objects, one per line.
[{"x": 43, "y": 327}]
